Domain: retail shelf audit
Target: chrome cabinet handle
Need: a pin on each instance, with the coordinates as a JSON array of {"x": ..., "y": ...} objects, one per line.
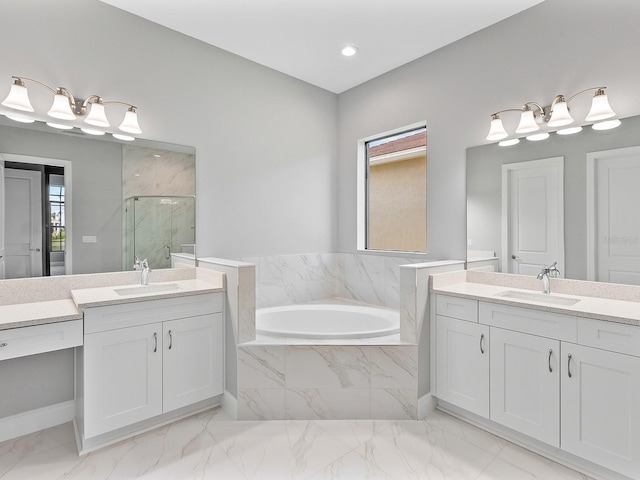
[
  {"x": 481, "y": 342},
  {"x": 4, "y": 344},
  {"x": 155, "y": 338},
  {"x": 550, "y": 369},
  {"x": 569, "y": 365},
  {"x": 170, "y": 340}
]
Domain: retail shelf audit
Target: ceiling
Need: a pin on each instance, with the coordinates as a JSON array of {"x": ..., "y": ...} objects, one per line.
[{"x": 302, "y": 38}]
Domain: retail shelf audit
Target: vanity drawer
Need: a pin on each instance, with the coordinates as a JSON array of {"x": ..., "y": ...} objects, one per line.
[
  {"x": 525, "y": 320},
  {"x": 457, "y": 307},
  {"x": 19, "y": 342},
  {"x": 111, "y": 317},
  {"x": 616, "y": 337}
]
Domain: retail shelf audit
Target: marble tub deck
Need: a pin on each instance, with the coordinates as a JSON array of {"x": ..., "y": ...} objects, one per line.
[{"x": 210, "y": 446}]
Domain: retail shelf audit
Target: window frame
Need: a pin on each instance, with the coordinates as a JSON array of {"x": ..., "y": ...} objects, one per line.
[{"x": 362, "y": 189}]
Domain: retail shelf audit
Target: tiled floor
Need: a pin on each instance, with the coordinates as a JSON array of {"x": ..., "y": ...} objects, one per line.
[{"x": 209, "y": 445}]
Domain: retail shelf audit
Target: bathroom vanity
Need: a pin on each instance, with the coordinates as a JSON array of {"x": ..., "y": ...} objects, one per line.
[
  {"x": 145, "y": 355},
  {"x": 558, "y": 373}
]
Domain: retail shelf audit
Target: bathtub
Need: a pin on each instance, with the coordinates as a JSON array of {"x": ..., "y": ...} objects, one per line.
[{"x": 327, "y": 321}]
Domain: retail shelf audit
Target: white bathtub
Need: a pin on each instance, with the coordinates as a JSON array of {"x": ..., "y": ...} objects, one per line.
[{"x": 327, "y": 321}]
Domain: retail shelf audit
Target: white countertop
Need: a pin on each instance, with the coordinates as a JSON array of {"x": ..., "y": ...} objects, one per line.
[
  {"x": 592, "y": 307},
  {"x": 104, "y": 296},
  {"x": 37, "y": 313}
]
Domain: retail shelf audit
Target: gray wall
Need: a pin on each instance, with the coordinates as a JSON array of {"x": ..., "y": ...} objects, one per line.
[
  {"x": 484, "y": 186},
  {"x": 96, "y": 185},
  {"x": 265, "y": 142},
  {"x": 559, "y": 46}
]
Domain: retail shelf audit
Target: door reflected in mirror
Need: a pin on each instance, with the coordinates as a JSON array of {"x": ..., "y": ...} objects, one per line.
[
  {"x": 588, "y": 249},
  {"x": 83, "y": 185}
]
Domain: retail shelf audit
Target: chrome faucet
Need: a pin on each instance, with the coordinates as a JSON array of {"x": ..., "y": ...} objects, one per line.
[
  {"x": 545, "y": 273},
  {"x": 144, "y": 268}
]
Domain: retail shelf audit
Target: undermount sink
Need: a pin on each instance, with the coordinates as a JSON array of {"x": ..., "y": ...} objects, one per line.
[
  {"x": 539, "y": 297},
  {"x": 147, "y": 289}
]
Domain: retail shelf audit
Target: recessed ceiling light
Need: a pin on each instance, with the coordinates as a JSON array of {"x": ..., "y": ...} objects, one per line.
[{"x": 349, "y": 50}]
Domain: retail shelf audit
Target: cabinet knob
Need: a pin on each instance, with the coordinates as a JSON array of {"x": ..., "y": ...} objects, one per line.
[{"x": 4, "y": 344}]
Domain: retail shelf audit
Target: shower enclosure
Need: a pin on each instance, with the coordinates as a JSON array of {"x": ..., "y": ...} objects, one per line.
[{"x": 156, "y": 226}]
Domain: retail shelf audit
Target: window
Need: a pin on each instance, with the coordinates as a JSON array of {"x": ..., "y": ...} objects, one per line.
[
  {"x": 393, "y": 191},
  {"x": 57, "y": 223}
]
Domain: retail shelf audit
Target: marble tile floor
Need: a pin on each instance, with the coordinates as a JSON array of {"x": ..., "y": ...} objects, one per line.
[{"x": 210, "y": 446}]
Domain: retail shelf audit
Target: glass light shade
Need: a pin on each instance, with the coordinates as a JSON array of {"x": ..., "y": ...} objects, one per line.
[
  {"x": 125, "y": 138},
  {"x": 20, "y": 118},
  {"x": 61, "y": 108},
  {"x": 560, "y": 115},
  {"x": 92, "y": 131},
  {"x": 538, "y": 136},
  {"x": 527, "y": 122},
  {"x": 569, "y": 131},
  {"x": 496, "y": 131},
  {"x": 508, "y": 143},
  {"x": 608, "y": 125},
  {"x": 59, "y": 126},
  {"x": 18, "y": 99},
  {"x": 97, "y": 116},
  {"x": 600, "y": 108},
  {"x": 130, "y": 123}
]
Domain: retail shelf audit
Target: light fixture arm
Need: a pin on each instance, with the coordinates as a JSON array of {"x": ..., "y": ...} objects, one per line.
[
  {"x": 131, "y": 107},
  {"x": 87, "y": 101},
  {"x": 20, "y": 81},
  {"x": 599, "y": 91}
]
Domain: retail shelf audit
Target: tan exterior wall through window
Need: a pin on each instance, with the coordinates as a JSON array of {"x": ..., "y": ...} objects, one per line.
[{"x": 397, "y": 217}]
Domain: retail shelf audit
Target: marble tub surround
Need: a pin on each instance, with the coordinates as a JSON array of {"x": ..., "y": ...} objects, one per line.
[
  {"x": 278, "y": 382},
  {"x": 302, "y": 278},
  {"x": 602, "y": 301}
]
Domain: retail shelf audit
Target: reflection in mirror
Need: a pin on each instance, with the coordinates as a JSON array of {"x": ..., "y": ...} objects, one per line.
[
  {"x": 86, "y": 232},
  {"x": 601, "y": 226}
]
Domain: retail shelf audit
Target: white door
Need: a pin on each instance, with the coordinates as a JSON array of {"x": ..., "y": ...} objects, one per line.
[
  {"x": 23, "y": 223},
  {"x": 600, "y": 414},
  {"x": 2, "y": 250},
  {"x": 532, "y": 215},
  {"x": 525, "y": 384},
  {"x": 122, "y": 377},
  {"x": 193, "y": 360},
  {"x": 613, "y": 215},
  {"x": 462, "y": 364}
]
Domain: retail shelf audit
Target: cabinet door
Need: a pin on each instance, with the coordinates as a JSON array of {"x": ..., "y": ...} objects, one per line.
[
  {"x": 601, "y": 407},
  {"x": 122, "y": 377},
  {"x": 462, "y": 364},
  {"x": 525, "y": 384},
  {"x": 193, "y": 360}
]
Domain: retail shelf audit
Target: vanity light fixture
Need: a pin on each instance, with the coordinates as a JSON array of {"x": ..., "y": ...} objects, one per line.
[
  {"x": 534, "y": 117},
  {"x": 66, "y": 107}
]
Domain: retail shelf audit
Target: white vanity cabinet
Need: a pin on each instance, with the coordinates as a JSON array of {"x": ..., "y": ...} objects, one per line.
[
  {"x": 570, "y": 382},
  {"x": 525, "y": 384},
  {"x": 462, "y": 356},
  {"x": 601, "y": 407},
  {"x": 147, "y": 358}
]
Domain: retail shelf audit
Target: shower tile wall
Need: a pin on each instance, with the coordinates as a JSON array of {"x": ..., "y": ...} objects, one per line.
[{"x": 153, "y": 172}]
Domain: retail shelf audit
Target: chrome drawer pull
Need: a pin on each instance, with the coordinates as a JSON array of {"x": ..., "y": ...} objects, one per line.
[
  {"x": 170, "y": 340},
  {"x": 481, "y": 342},
  {"x": 155, "y": 347},
  {"x": 569, "y": 365},
  {"x": 550, "y": 369}
]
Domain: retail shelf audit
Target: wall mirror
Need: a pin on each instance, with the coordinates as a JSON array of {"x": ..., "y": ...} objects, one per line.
[
  {"x": 101, "y": 201},
  {"x": 593, "y": 206}
]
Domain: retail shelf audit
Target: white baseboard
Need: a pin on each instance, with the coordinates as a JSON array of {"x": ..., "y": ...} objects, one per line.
[
  {"x": 229, "y": 404},
  {"x": 426, "y": 404},
  {"x": 35, "y": 420}
]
